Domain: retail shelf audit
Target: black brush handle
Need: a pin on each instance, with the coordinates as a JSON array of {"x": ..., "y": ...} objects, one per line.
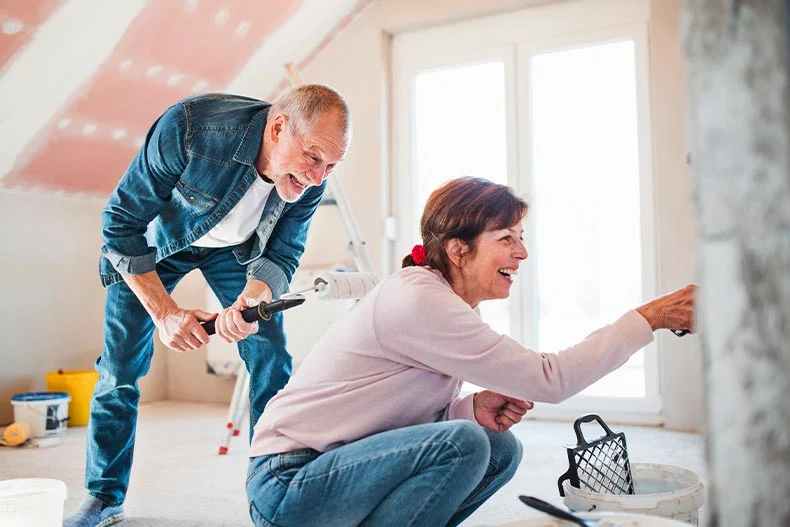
[
  {"x": 548, "y": 508},
  {"x": 262, "y": 311},
  {"x": 680, "y": 332},
  {"x": 249, "y": 315}
]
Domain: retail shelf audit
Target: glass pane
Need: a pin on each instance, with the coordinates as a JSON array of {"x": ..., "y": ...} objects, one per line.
[
  {"x": 460, "y": 131},
  {"x": 587, "y": 200}
]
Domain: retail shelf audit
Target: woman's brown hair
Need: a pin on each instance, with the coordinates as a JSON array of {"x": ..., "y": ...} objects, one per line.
[{"x": 463, "y": 208}]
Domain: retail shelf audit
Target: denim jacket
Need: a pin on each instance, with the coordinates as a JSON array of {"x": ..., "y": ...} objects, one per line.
[{"x": 197, "y": 162}]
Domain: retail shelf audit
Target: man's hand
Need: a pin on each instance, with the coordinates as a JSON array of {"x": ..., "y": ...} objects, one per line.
[
  {"x": 180, "y": 329},
  {"x": 230, "y": 325},
  {"x": 498, "y": 412}
]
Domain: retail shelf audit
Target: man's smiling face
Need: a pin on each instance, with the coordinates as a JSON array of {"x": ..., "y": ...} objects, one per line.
[{"x": 298, "y": 161}]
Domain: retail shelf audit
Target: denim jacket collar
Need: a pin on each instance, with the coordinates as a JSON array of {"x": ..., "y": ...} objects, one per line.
[{"x": 247, "y": 152}]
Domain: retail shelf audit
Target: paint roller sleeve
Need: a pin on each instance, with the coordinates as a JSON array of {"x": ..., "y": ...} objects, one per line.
[
  {"x": 332, "y": 285},
  {"x": 17, "y": 433}
]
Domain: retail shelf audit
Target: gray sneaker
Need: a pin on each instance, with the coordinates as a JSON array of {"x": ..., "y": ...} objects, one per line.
[{"x": 93, "y": 512}]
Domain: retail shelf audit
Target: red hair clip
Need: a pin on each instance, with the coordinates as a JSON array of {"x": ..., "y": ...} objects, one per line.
[{"x": 418, "y": 254}]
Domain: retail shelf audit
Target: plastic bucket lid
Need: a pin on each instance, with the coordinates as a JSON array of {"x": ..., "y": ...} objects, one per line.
[
  {"x": 24, "y": 489},
  {"x": 38, "y": 397},
  {"x": 613, "y": 518}
]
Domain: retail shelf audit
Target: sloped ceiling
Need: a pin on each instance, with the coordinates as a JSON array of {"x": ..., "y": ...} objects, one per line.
[{"x": 82, "y": 80}]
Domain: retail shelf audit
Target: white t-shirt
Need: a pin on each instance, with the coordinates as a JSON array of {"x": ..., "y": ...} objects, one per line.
[{"x": 242, "y": 220}]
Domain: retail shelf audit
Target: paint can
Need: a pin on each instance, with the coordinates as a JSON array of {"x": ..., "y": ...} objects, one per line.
[
  {"x": 32, "y": 502},
  {"x": 46, "y": 412},
  {"x": 79, "y": 385},
  {"x": 659, "y": 490}
]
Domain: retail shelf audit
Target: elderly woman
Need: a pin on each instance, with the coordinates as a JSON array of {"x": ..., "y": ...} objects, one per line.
[{"x": 371, "y": 429}]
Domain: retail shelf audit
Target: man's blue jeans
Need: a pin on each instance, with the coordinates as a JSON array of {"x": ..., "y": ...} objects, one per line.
[
  {"x": 128, "y": 348},
  {"x": 425, "y": 475}
]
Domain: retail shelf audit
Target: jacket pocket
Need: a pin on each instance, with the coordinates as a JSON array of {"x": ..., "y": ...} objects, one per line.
[{"x": 196, "y": 202}]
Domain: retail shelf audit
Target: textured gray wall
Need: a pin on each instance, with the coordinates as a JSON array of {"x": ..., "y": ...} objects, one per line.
[{"x": 740, "y": 136}]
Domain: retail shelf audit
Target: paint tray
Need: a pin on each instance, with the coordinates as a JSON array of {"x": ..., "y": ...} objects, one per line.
[{"x": 600, "y": 465}]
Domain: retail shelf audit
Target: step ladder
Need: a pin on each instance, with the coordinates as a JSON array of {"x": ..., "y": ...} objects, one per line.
[{"x": 333, "y": 196}]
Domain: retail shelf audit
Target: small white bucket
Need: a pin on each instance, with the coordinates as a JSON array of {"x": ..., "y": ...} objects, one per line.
[
  {"x": 32, "y": 502},
  {"x": 45, "y": 412},
  {"x": 659, "y": 490}
]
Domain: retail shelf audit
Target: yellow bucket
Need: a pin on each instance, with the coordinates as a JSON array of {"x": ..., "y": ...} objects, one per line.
[{"x": 79, "y": 384}]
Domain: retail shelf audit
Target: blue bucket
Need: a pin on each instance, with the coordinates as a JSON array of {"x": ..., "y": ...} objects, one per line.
[{"x": 46, "y": 412}]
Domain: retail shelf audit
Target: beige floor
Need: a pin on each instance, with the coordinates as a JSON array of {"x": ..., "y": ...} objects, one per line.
[{"x": 178, "y": 479}]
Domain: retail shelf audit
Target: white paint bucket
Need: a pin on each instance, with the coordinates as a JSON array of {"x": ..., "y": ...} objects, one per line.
[
  {"x": 32, "y": 502},
  {"x": 659, "y": 490},
  {"x": 46, "y": 412}
]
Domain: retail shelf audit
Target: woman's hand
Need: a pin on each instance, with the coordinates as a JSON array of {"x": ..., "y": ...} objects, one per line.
[
  {"x": 672, "y": 311},
  {"x": 498, "y": 412}
]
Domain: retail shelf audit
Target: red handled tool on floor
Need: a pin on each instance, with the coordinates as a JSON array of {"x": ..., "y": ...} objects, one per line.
[{"x": 262, "y": 311}]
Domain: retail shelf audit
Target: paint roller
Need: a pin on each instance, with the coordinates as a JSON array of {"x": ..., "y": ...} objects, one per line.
[
  {"x": 337, "y": 285},
  {"x": 330, "y": 285},
  {"x": 16, "y": 433}
]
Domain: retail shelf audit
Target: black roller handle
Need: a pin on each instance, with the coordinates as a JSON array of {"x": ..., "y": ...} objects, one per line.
[{"x": 262, "y": 311}]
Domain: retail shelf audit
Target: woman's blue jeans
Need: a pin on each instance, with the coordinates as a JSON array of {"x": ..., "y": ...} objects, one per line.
[
  {"x": 425, "y": 475},
  {"x": 128, "y": 348}
]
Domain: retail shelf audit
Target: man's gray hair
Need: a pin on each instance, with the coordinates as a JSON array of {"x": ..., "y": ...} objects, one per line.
[{"x": 305, "y": 105}]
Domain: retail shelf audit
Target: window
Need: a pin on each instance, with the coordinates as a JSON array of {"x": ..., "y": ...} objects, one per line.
[{"x": 585, "y": 166}]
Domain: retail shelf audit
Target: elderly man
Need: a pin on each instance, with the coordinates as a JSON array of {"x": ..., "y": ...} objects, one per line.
[{"x": 227, "y": 185}]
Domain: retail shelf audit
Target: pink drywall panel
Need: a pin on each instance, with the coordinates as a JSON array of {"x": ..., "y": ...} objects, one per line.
[{"x": 171, "y": 50}]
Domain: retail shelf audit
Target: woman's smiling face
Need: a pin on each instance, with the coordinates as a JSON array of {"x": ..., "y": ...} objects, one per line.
[{"x": 488, "y": 272}]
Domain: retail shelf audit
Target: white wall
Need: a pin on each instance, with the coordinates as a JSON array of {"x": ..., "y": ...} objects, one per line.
[
  {"x": 51, "y": 301},
  {"x": 681, "y": 369}
]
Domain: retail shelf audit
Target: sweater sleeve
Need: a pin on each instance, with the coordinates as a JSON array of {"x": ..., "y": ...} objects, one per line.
[
  {"x": 461, "y": 408},
  {"x": 445, "y": 335}
]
